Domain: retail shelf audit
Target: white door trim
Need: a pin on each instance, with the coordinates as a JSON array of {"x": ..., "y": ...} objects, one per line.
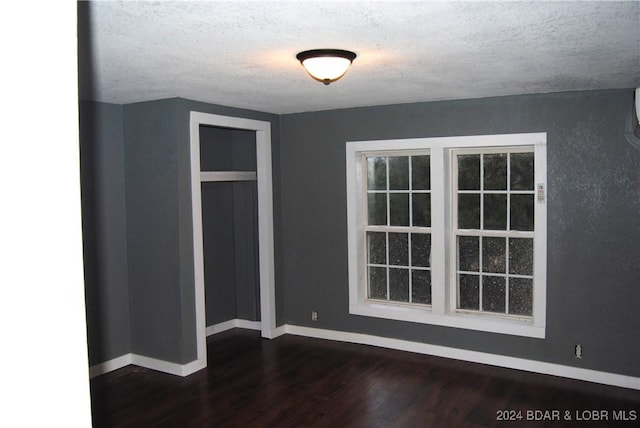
[{"x": 265, "y": 223}]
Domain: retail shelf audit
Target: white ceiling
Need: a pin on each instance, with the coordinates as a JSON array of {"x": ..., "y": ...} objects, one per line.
[{"x": 242, "y": 54}]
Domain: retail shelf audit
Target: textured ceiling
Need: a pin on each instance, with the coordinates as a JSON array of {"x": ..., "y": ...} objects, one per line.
[{"x": 242, "y": 54}]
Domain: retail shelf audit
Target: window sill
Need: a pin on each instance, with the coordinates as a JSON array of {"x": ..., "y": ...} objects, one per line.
[{"x": 485, "y": 323}]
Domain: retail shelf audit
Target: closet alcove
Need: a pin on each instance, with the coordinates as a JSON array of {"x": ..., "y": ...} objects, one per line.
[{"x": 229, "y": 224}]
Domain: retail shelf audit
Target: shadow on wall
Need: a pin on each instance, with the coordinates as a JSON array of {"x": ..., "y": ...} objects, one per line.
[{"x": 86, "y": 80}]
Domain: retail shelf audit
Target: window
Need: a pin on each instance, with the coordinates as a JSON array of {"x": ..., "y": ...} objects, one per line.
[
  {"x": 449, "y": 231},
  {"x": 494, "y": 230},
  {"x": 398, "y": 228}
]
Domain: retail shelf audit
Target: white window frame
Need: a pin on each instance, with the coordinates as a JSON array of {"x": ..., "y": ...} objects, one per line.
[{"x": 443, "y": 308}]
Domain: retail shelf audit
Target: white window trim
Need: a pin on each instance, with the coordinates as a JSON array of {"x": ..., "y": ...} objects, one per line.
[{"x": 442, "y": 310}]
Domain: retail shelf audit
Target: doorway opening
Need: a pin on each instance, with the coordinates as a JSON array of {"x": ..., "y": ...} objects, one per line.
[
  {"x": 215, "y": 177},
  {"x": 229, "y": 195}
]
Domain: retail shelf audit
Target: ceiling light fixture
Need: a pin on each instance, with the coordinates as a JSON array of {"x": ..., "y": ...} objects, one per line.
[{"x": 326, "y": 65}]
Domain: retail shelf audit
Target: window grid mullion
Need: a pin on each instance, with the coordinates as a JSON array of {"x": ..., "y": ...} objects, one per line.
[
  {"x": 386, "y": 234},
  {"x": 387, "y": 268},
  {"x": 501, "y": 275},
  {"x": 506, "y": 255},
  {"x": 481, "y": 271},
  {"x": 410, "y": 191},
  {"x": 453, "y": 163},
  {"x": 374, "y": 191},
  {"x": 365, "y": 210},
  {"x": 410, "y": 297},
  {"x": 506, "y": 281},
  {"x": 495, "y": 233},
  {"x": 397, "y": 229},
  {"x": 495, "y": 192},
  {"x": 410, "y": 267},
  {"x": 386, "y": 166},
  {"x": 481, "y": 240}
]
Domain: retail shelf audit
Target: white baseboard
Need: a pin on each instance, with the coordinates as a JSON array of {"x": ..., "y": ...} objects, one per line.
[
  {"x": 110, "y": 365},
  {"x": 588, "y": 375},
  {"x": 219, "y": 328},
  {"x": 147, "y": 362},
  {"x": 471, "y": 356},
  {"x": 279, "y": 331},
  {"x": 167, "y": 366},
  {"x": 249, "y": 325},
  {"x": 234, "y": 323}
]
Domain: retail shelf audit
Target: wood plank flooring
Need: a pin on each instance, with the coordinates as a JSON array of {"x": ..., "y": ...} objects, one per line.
[{"x": 302, "y": 382}]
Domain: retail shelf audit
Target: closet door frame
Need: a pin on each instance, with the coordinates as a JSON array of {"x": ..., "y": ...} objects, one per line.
[{"x": 265, "y": 223}]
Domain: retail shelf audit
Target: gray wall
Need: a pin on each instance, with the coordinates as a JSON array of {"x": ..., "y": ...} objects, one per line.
[
  {"x": 104, "y": 230},
  {"x": 159, "y": 224},
  {"x": 593, "y": 282},
  {"x": 151, "y": 168}
]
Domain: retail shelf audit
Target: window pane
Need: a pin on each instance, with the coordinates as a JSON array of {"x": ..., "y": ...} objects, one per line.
[
  {"x": 421, "y": 209},
  {"x": 377, "y": 207},
  {"x": 420, "y": 249},
  {"x": 399, "y": 209},
  {"x": 495, "y": 171},
  {"x": 420, "y": 173},
  {"x": 493, "y": 254},
  {"x": 399, "y": 249},
  {"x": 377, "y": 173},
  {"x": 421, "y": 286},
  {"x": 377, "y": 248},
  {"x": 521, "y": 256},
  {"x": 495, "y": 212},
  {"x": 469, "y": 253},
  {"x": 469, "y": 289},
  {"x": 399, "y": 173},
  {"x": 520, "y": 296},
  {"x": 521, "y": 171},
  {"x": 522, "y": 212},
  {"x": 377, "y": 283},
  {"x": 469, "y": 172},
  {"x": 468, "y": 211},
  {"x": 399, "y": 285},
  {"x": 493, "y": 294}
]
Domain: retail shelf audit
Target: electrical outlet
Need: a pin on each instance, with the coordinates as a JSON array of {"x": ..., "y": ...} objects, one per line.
[
  {"x": 578, "y": 351},
  {"x": 314, "y": 315}
]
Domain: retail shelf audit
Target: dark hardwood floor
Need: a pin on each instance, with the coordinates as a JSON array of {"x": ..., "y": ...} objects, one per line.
[{"x": 301, "y": 382}]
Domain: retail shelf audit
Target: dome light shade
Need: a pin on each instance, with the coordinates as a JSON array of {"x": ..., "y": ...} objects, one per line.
[{"x": 326, "y": 65}]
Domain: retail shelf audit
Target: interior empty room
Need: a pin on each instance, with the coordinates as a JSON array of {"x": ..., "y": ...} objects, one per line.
[{"x": 444, "y": 233}]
